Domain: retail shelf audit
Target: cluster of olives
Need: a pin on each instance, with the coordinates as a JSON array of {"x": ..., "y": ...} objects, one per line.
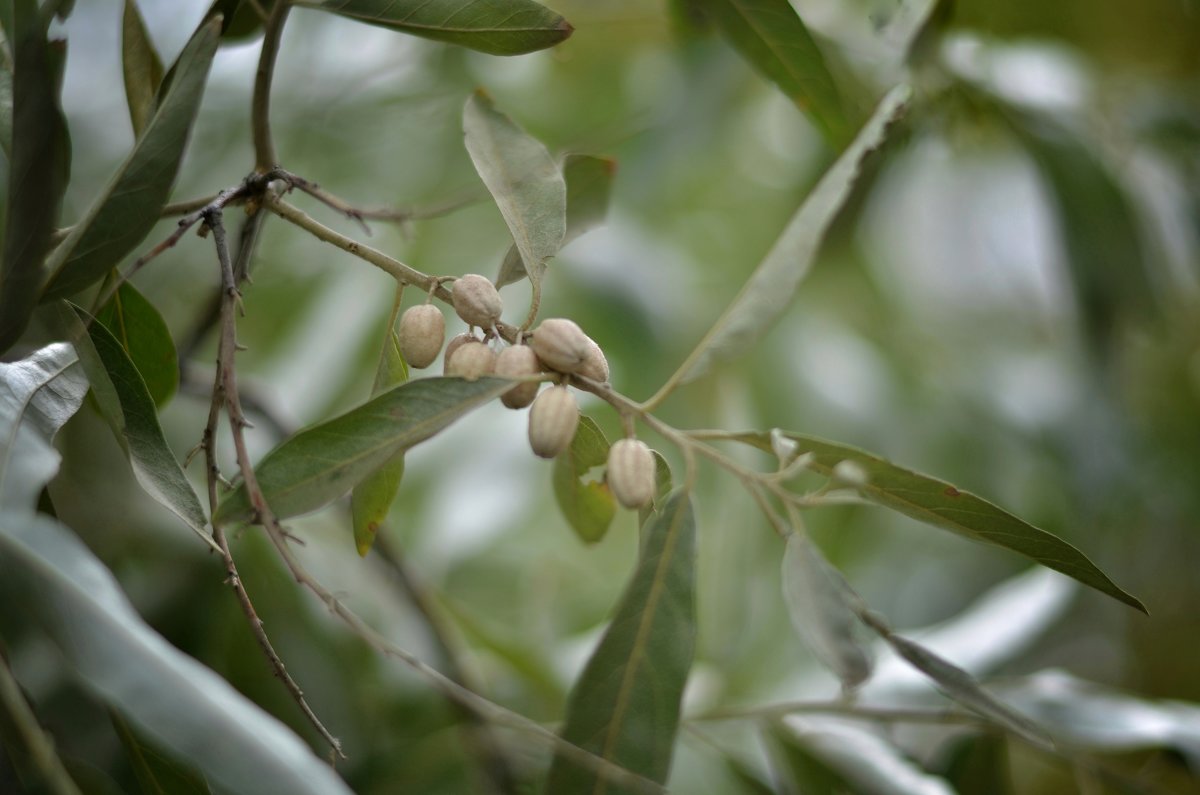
[{"x": 557, "y": 345}]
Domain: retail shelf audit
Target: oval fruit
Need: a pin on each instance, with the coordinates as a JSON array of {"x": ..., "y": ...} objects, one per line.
[
  {"x": 422, "y": 331},
  {"x": 553, "y": 419},
  {"x": 477, "y": 301},
  {"x": 631, "y": 473},
  {"x": 516, "y": 361}
]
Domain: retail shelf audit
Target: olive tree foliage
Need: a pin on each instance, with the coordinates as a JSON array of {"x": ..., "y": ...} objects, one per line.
[{"x": 79, "y": 338}]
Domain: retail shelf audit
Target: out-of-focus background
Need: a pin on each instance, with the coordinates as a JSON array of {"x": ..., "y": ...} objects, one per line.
[{"x": 1009, "y": 302}]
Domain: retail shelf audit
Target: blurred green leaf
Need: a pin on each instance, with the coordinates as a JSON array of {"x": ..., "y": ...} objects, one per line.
[
  {"x": 371, "y": 499},
  {"x": 156, "y": 773},
  {"x": 1105, "y": 258},
  {"x": 240, "y": 19},
  {"x": 141, "y": 66},
  {"x": 831, "y": 757},
  {"x": 936, "y": 502},
  {"x": 498, "y": 27},
  {"x": 770, "y": 289},
  {"x": 772, "y": 37},
  {"x": 589, "y": 185},
  {"x": 625, "y": 705},
  {"x": 962, "y": 687},
  {"x": 39, "y": 168},
  {"x": 6, "y": 107},
  {"x": 37, "y": 396},
  {"x": 320, "y": 464},
  {"x": 146, "y": 340},
  {"x": 76, "y": 602},
  {"x": 977, "y": 763},
  {"x": 588, "y": 507},
  {"x": 127, "y": 407},
  {"x": 820, "y": 604},
  {"x": 797, "y": 765},
  {"x": 522, "y": 177},
  {"x": 128, "y": 208}
]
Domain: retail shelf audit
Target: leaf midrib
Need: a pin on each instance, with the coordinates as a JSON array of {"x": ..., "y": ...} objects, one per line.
[{"x": 640, "y": 639}]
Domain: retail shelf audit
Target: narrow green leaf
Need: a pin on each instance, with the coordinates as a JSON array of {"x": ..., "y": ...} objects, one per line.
[
  {"x": 771, "y": 287},
  {"x": 662, "y": 487},
  {"x": 821, "y": 605},
  {"x": 129, "y": 206},
  {"x": 962, "y": 687},
  {"x": 37, "y": 396},
  {"x": 39, "y": 166},
  {"x": 589, "y": 507},
  {"x": 522, "y": 177},
  {"x": 772, "y": 37},
  {"x": 498, "y": 27},
  {"x": 155, "y": 772},
  {"x": 794, "y": 763},
  {"x": 936, "y": 502},
  {"x": 141, "y": 66},
  {"x": 320, "y": 464},
  {"x": 189, "y": 709},
  {"x": 625, "y": 705},
  {"x": 371, "y": 499},
  {"x": 146, "y": 340},
  {"x": 589, "y": 185},
  {"x": 127, "y": 407}
]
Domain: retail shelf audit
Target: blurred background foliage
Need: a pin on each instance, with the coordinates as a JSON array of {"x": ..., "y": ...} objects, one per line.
[{"x": 1009, "y": 302}]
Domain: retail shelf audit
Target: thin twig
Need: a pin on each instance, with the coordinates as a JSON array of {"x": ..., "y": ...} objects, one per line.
[
  {"x": 260, "y": 109},
  {"x": 224, "y": 393},
  {"x": 842, "y": 709},
  {"x": 39, "y": 745}
]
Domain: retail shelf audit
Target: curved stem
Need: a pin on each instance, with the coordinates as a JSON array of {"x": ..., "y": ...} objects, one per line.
[{"x": 265, "y": 157}]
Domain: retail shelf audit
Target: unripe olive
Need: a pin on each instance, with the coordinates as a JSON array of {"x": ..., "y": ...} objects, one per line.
[
  {"x": 456, "y": 342},
  {"x": 472, "y": 361},
  {"x": 594, "y": 366},
  {"x": 422, "y": 331},
  {"x": 631, "y": 473},
  {"x": 560, "y": 344},
  {"x": 553, "y": 419},
  {"x": 515, "y": 361},
  {"x": 477, "y": 301}
]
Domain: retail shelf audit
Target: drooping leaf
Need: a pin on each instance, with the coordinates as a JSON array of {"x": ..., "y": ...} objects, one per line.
[
  {"x": 498, "y": 27},
  {"x": 127, "y": 407},
  {"x": 589, "y": 185},
  {"x": 37, "y": 396},
  {"x": 821, "y": 606},
  {"x": 156, "y": 772},
  {"x": 792, "y": 762},
  {"x": 522, "y": 177},
  {"x": 772, "y": 37},
  {"x": 843, "y": 758},
  {"x": 371, "y": 499},
  {"x": 625, "y": 705},
  {"x": 146, "y": 340},
  {"x": 190, "y": 710},
  {"x": 39, "y": 167},
  {"x": 958, "y": 684},
  {"x": 141, "y": 67},
  {"x": 936, "y": 502},
  {"x": 589, "y": 507},
  {"x": 320, "y": 464},
  {"x": 771, "y": 287},
  {"x": 129, "y": 206}
]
